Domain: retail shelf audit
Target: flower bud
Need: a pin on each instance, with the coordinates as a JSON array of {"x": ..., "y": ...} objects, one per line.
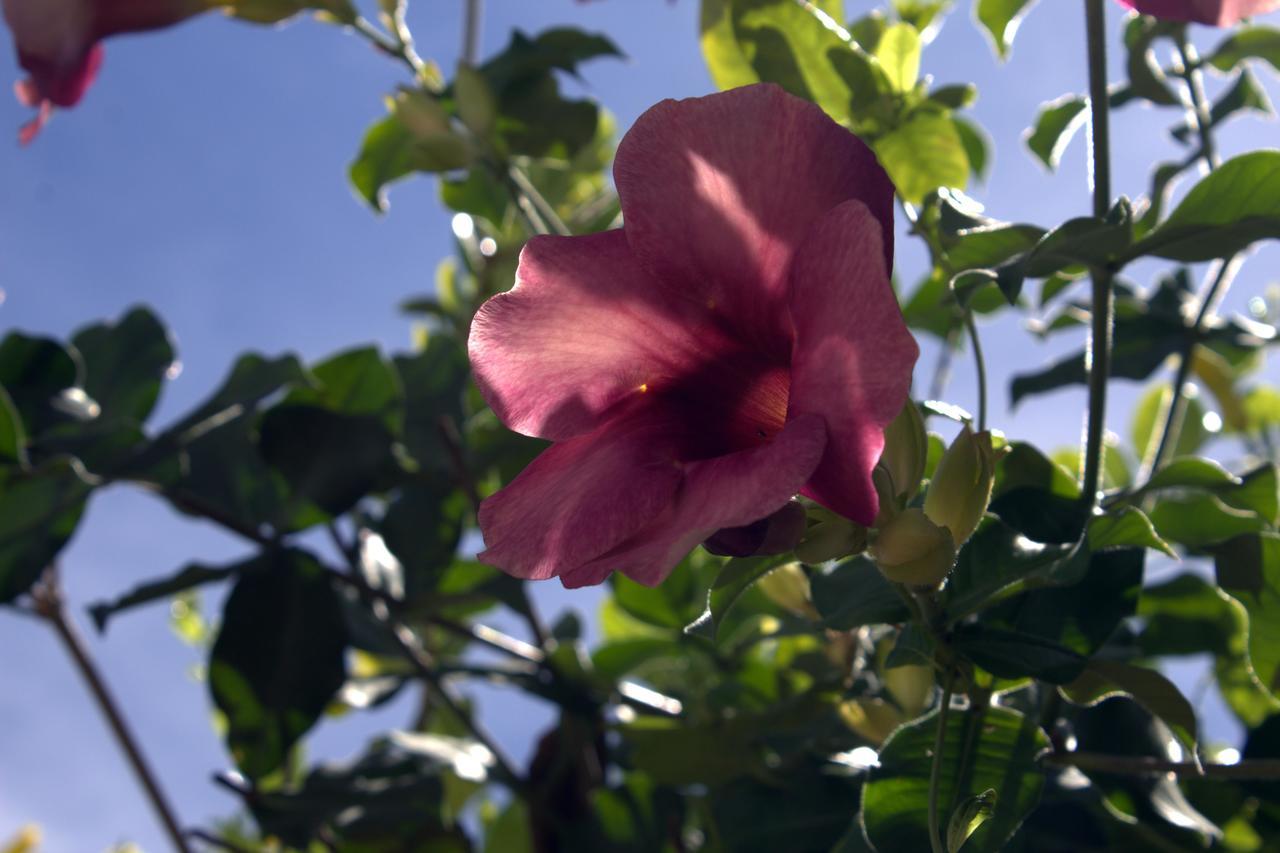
[
  {"x": 913, "y": 550},
  {"x": 830, "y": 539},
  {"x": 961, "y": 487},
  {"x": 906, "y": 448},
  {"x": 774, "y": 534},
  {"x": 420, "y": 113},
  {"x": 788, "y": 587}
]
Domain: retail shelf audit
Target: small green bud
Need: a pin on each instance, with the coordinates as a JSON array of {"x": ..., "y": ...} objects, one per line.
[
  {"x": 788, "y": 587},
  {"x": 961, "y": 486},
  {"x": 831, "y": 539},
  {"x": 906, "y": 449},
  {"x": 913, "y": 550},
  {"x": 420, "y": 113},
  {"x": 872, "y": 719}
]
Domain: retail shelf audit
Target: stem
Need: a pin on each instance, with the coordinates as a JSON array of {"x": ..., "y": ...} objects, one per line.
[
  {"x": 49, "y": 604},
  {"x": 1103, "y": 310},
  {"x": 981, "y": 366},
  {"x": 1198, "y": 103},
  {"x": 1127, "y": 765},
  {"x": 471, "y": 31},
  {"x": 935, "y": 772}
]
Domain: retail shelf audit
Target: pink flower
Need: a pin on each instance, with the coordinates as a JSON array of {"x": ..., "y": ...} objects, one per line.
[
  {"x": 57, "y": 44},
  {"x": 1217, "y": 13},
  {"x": 737, "y": 342}
]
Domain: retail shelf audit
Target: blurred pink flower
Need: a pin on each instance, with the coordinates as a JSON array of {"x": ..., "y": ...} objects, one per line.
[
  {"x": 1218, "y": 13},
  {"x": 57, "y": 44},
  {"x": 735, "y": 343}
]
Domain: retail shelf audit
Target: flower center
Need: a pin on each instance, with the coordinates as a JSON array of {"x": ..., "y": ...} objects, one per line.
[{"x": 732, "y": 403}]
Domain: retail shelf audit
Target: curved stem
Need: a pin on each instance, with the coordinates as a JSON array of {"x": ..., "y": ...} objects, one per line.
[
  {"x": 1103, "y": 310},
  {"x": 471, "y": 31},
  {"x": 1198, "y": 103},
  {"x": 49, "y": 605},
  {"x": 980, "y": 365},
  {"x": 1176, "y": 411},
  {"x": 935, "y": 771}
]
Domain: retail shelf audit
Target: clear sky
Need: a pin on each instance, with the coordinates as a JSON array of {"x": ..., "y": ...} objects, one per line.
[{"x": 204, "y": 175}]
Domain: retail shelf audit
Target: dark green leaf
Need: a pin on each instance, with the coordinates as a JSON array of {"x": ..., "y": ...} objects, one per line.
[
  {"x": 977, "y": 146},
  {"x": 755, "y": 817},
  {"x": 1002, "y": 746},
  {"x": 39, "y": 511},
  {"x": 125, "y": 364},
  {"x": 355, "y": 382},
  {"x": 434, "y": 381},
  {"x": 1262, "y": 600},
  {"x": 13, "y": 439},
  {"x": 36, "y": 372},
  {"x": 1146, "y": 79},
  {"x": 853, "y": 594},
  {"x": 328, "y": 459},
  {"x": 1013, "y": 654},
  {"x": 1191, "y": 471},
  {"x": 997, "y": 562},
  {"x": 279, "y": 657}
]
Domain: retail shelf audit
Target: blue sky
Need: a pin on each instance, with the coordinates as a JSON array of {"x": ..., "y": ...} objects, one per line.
[{"x": 204, "y": 175}]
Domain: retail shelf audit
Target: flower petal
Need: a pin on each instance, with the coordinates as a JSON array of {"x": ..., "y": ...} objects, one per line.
[
  {"x": 583, "y": 329},
  {"x": 728, "y": 491},
  {"x": 717, "y": 193},
  {"x": 852, "y": 357},
  {"x": 580, "y": 498},
  {"x": 1218, "y": 13}
]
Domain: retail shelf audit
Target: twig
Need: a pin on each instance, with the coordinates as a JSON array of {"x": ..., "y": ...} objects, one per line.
[
  {"x": 49, "y": 604},
  {"x": 980, "y": 365},
  {"x": 471, "y": 31}
]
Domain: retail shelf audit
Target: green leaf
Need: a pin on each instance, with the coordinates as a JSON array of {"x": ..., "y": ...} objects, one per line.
[
  {"x": 1148, "y": 416},
  {"x": 279, "y": 658},
  {"x": 422, "y": 528},
  {"x": 1002, "y": 748},
  {"x": 188, "y": 577},
  {"x": 675, "y": 602},
  {"x": 39, "y": 511},
  {"x": 1261, "y": 599},
  {"x": 779, "y": 41},
  {"x": 1233, "y": 206},
  {"x": 1000, "y": 20},
  {"x": 434, "y": 382},
  {"x": 1127, "y": 527},
  {"x": 1105, "y": 678},
  {"x": 853, "y": 594},
  {"x": 968, "y": 816},
  {"x": 1193, "y": 472},
  {"x": 1056, "y": 124},
  {"x": 1254, "y": 42},
  {"x": 677, "y": 752},
  {"x": 1187, "y": 615},
  {"x": 899, "y": 55},
  {"x": 1146, "y": 79},
  {"x": 1258, "y": 491},
  {"x": 274, "y": 11},
  {"x": 356, "y": 382},
  {"x": 125, "y": 364},
  {"x": 732, "y": 581},
  {"x": 1201, "y": 520},
  {"x": 807, "y": 808},
  {"x": 977, "y": 146},
  {"x": 390, "y": 151},
  {"x": 922, "y": 155}
]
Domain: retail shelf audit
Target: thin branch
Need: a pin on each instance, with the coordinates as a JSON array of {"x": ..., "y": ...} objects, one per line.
[
  {"x": 49, "y": 604},
  {"x": 935, "y": 770}
]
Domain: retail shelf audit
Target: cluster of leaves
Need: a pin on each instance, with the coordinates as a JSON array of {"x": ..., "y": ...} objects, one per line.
[{"x": 758, "y": 703}]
